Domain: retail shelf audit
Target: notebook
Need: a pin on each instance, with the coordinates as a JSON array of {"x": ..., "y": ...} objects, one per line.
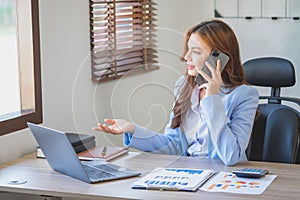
[
  {"x": 105, "y": 153},
  {"x": 62, "y": 158}
]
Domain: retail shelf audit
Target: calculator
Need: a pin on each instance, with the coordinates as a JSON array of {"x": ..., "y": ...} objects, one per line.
[{"x": 250, "y": 172}]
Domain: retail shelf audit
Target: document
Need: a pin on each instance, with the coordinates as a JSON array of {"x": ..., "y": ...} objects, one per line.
[
  {"x": 174, "y": 179},
  {"x": 228, "y": 182}
]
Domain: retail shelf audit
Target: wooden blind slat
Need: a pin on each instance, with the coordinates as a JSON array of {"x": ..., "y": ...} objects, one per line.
[
  {"x": 99, "y": 68},
  {"x": 106, "y": 67},
  {"x": 108, "y": 53},
  {"x": 124, "y": 34},
  {"x": 122, "y": 37},
  {"x": 123, "y": 68},
  {"x": 147, "y": 2},
  {"x": 133, "y": 71},
  {"x": 120, "y": 57},
  {"x": 109, "y": 50}
]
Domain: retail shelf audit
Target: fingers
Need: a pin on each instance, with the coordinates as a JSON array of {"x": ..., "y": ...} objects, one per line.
[
  {"x": 107, "y": 129},
  {"x": 110, "y": 129},
  {"x": 101, "y": 127},
  {"x": 218, "y": 70},
  {"x": 115, "y": 126},
  {"x": 97, "y": 129},
  {"x": 214, "y": 82},
  {"x": 109, "y": 121},
  {"x": 218, "y": 65},
  {"x": 214, "y": 71},
  {"x": 205, "y": 75}
]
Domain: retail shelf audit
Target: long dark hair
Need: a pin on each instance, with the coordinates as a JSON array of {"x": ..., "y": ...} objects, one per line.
[{"x": 219, "y": 36}]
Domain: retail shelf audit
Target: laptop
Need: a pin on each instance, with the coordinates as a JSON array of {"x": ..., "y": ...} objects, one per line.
[{"x": 62, "y": 158}]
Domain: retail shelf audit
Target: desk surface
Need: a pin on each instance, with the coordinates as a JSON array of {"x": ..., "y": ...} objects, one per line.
[{"x": 42, "y": 180}]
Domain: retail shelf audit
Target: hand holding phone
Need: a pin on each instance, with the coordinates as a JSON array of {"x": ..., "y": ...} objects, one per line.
[{"x": 212, "y": 59}]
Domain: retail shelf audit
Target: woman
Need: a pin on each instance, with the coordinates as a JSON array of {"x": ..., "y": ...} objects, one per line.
[{"x": 213, "y": 119}]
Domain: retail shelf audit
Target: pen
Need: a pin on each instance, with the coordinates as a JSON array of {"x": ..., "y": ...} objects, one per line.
[{"x": 104, "y": 151}]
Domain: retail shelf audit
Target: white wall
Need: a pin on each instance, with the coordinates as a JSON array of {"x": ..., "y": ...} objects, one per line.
[
  {"x": 71, "y": 102},
  {"x": 265, "y": 37}
]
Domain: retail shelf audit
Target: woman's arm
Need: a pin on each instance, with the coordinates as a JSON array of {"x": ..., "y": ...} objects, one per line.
[
  {"x": 171, "y": 142},
  {"x": 151, "y": 141},
  {"x": 230, "y": 125}
]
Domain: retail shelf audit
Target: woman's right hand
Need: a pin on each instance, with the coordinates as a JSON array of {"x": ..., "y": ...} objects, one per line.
[{"x": 115, "y": 126}]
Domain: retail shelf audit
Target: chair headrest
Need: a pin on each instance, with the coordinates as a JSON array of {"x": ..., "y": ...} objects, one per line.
[{"x": 270, "y": 71}]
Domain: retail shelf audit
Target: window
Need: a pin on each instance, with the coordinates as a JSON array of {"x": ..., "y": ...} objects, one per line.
[
  {"x": 20, "y": 72},
  {"x": 122, "y": 38}
]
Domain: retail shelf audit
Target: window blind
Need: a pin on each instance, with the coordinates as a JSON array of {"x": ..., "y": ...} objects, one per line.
[{"x": 122, "y": 38}]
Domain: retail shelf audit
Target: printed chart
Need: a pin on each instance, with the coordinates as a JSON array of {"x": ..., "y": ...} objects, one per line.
[
  {"x": 228, "y": 182},
  {"x": 173, "y": 179}
]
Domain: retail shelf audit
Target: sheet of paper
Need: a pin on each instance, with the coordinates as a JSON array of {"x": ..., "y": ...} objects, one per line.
[
  {"x": 173, "y": 178},
  {"x": 228, "y": 182}
]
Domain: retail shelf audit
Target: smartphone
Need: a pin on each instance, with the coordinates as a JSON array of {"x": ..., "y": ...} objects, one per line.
[{"x": 212, "y": 59}]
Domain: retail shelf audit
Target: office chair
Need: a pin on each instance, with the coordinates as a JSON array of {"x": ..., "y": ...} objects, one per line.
[{"x": 276, "y": 131}]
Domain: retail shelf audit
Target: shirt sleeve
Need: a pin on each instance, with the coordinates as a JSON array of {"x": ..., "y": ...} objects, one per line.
[
  {"x": 230, "y": 134},
  {"x": 150, "y": 141}
]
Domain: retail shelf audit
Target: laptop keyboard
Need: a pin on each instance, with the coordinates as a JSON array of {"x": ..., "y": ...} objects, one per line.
[
  {"x": 106, "y": 168},
  {"x": 102, "y": 171},
  {"x": 96, "y": 173}
]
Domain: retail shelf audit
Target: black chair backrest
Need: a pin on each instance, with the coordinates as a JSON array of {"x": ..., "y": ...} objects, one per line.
[
  {"x": 276, "y": 132},
  {"x": 281, "y": 136}
]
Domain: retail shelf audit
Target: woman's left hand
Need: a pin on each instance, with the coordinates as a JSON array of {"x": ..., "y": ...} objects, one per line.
[{"x": 213, "y": 83}]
